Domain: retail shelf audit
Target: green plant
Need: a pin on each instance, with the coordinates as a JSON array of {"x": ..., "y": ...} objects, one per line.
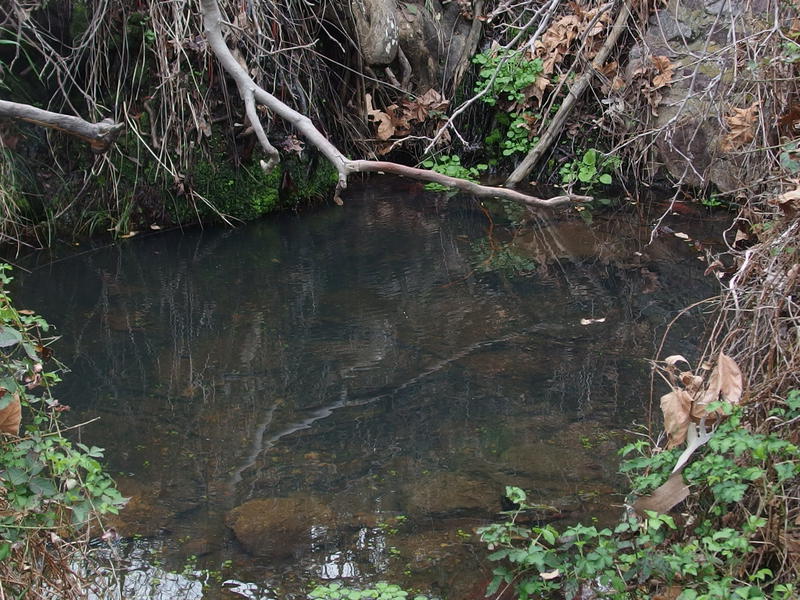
[
  {"x": 506, "y": 75},
  {"x": 452, "y": 167},
  {"x": 790, "y": 157},
  {"x": 380, "y": 591},
  {"x": 642, "y": 553},
  {"x": 593, "y": 168},
  {"x": 52, "y": 488}
]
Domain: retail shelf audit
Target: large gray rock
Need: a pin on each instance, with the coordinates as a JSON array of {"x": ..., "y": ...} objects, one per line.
[{"x": 697, "y": 36}]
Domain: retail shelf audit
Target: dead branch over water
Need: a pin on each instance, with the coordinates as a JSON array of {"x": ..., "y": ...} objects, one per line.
[{"x": 251, "y": 93}]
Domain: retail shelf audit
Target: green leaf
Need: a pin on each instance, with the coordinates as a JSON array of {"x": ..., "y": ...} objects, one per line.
[
  {"x": 9, "y": 336},
  {"x": 16, "y": 476},
  {"x": 605, "y": 178},
  {"x": 590, "y": 157},
  {"x": 43, "y": 487},
  {"x": 5, "y": 550}
]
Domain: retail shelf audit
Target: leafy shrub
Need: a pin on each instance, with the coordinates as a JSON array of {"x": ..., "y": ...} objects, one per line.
[
  {"x": 452, "y": 167},
  {"x": 707, "y": 559},
  {"x": 52, "y": 488},
  {"x": 593, "y": 168}
]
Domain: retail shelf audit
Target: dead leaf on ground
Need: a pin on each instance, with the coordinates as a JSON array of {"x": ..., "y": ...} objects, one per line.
[
  {"x": 677, "y": 409},
  {"x": 664, "y": 71},
  {"x": 671, "y": 593},
  {"x": 789, "y": 203},
  {"x": 664, "y": 497},
  {"x": 11, "y": 416},
  {"x": 741, "y": 124},
  {"x": 548, "y": 575},
  {"x": 724, "y": 383}
]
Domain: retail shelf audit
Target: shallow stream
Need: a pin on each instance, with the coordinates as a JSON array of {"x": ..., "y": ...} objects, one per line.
[{"x": 350, "y": 389}]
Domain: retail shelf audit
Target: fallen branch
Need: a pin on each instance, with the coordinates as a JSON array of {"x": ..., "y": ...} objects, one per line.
[
  {"x": 251, "y": 93},
  {"x": 576, "y": 91},
  {"x": 100, "y": 135}
]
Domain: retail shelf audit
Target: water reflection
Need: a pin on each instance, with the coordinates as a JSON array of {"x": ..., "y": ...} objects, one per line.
[{"x": 357, "y": 365}]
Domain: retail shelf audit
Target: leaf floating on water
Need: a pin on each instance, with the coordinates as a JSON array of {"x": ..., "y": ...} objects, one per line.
[
  {"x": 590, "y": 321},
  {"x": 677, "y": 407},
  {"x": 155, "y": 227},
  {"x": 130, "y": 234},
  {"x": 681, "y": 235}
]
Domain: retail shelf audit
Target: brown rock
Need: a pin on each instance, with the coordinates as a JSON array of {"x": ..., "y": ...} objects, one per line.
[{"x": 277, "y": 527}]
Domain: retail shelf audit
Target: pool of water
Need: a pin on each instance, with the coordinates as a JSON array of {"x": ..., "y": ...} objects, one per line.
[{"x": 344, "y": 394}]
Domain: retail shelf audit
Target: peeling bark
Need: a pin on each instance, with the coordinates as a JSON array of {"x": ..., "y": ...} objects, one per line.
[
  {"x": 99, "y": 135},
  {"x": 251, "y": 93}
]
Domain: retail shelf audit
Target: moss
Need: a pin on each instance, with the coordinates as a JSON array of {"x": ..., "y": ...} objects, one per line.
[
  {"x": 245, "y": 194},
  {"x": 306, "y": 180}
]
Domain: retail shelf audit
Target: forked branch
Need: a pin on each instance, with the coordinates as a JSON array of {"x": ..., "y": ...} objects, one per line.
[{"x": 252, "y": 93}]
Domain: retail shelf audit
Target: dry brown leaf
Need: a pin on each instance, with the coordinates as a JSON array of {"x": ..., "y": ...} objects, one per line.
[
  {"x": 664, "y": 497},
  {"x": 664, "y": 69},
  {"x": 691, "y": 381},
  {"x": 674, "y": 359},
  {"x": 789, "y": 203},
  {"x": 548, "y": 575},
  {"x": 671, "y": 593},
  {"x": 725, "y": 383},
  {"x": 11, "y": 416},
  {"x": 741, "y": 123},
  {"x": 677, "y": 407}
]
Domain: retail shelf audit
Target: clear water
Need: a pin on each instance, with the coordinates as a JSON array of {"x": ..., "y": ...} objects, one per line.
[{"x": 375, "y": 374}]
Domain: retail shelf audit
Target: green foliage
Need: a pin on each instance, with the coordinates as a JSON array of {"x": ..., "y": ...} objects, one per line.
[
  {"x": 592, "y": 169},
  {"x": 246, "y": 194},
  {"x": 790, "y": 157},
  {"x": 790, "y": 51},
  {"x": 452, "y": 167},
  {"x": 48, "y": 482},
  {"x": 707, "y": 560},
  {"x": 514, "y": 73},
  {"x": 380, "y": 591}
]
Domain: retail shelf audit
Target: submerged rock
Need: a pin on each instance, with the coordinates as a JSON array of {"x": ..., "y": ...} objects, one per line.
[
  {"x": 442, "y": 493},
  {"x": 279, "y": 527}
]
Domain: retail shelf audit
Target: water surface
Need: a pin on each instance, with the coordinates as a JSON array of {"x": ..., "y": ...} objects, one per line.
[{"x": 372, "y": 376}]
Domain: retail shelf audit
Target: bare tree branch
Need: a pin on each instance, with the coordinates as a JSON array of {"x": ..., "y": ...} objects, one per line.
[
  {"x": 251, "y": 92},
  {"x": 100, "y": 135}
]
